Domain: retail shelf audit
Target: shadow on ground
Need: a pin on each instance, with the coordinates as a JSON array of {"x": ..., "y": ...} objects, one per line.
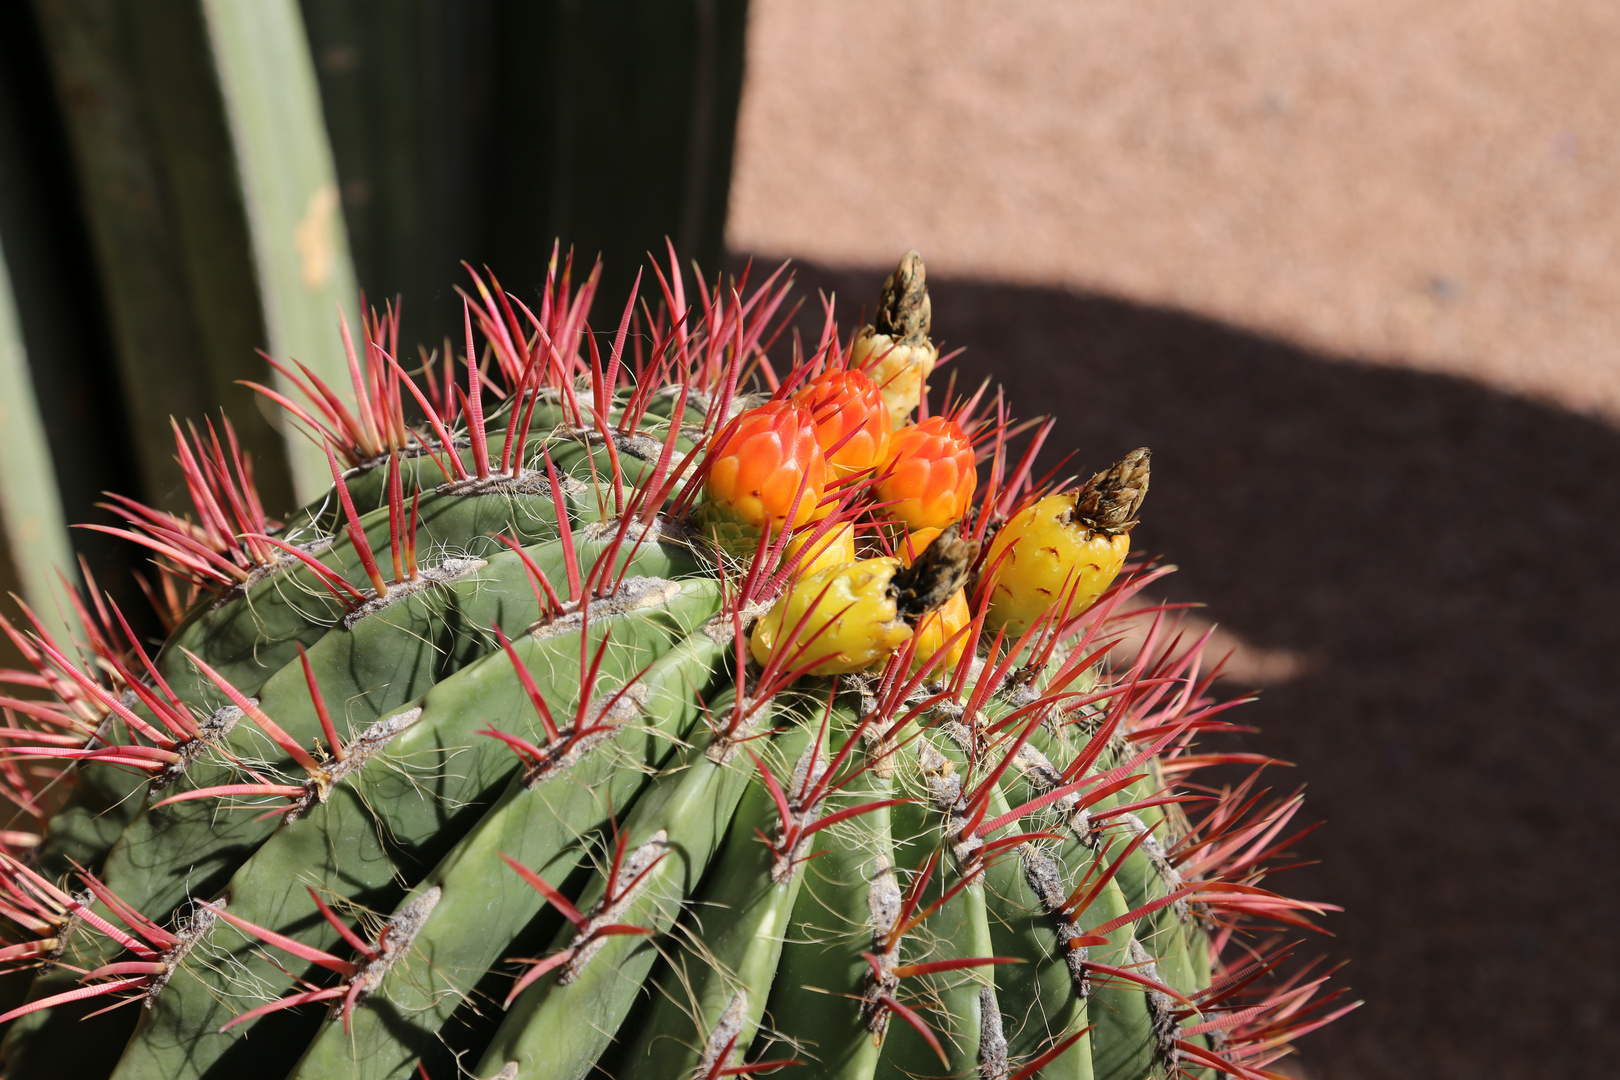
[{"x": 1447, "y": 559}]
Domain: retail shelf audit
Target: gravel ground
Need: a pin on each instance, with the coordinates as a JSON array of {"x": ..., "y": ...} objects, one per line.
[
  {"x": 1350, "y": 269},
  {"x": 1427, "y": 183}
]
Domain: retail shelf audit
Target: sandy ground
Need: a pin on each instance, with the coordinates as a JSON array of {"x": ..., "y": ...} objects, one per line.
[
  {"x": 1350, "y": 268},
  {"x": 1431, "y": 183}
]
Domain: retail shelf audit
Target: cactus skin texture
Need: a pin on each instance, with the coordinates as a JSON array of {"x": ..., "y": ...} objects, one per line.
[{"x": 499, "y": 761}]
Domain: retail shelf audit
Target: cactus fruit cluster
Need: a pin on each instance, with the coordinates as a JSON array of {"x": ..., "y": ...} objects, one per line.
[{"x": 640, "y": 703}]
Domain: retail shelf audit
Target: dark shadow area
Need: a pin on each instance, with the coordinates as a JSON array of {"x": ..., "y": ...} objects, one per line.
[
  {"x": 1446, "y": 557},
  {"x": 479, "y": 130},
  {"x": 59, "y": 301}
]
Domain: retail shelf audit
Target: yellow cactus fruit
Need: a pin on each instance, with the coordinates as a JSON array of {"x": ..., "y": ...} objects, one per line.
[
  {"x": 854, "y": 616},
  {"x": 835, "y": 548},
  {"x": 1063, "y": 544},
  {"x": 852, "y": 621},
  {"x": 937, "y": 627},
  {"x": 894, "y": 350}
]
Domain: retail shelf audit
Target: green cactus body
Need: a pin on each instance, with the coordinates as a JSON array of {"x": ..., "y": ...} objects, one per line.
[
  {"x": 834, "y": 918},
  {"x": 248, "y": 636},
  {"x": 538, "y": 825},
  {"x": 739, "y": 918},
  {"x": 434, "y": 778},
  {"x": 492, "y": 778}
]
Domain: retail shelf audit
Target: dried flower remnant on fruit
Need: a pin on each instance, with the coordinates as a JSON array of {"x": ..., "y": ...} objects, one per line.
[
  {"x": 894, "y": 350},
  {"x": 1065, "y": 550},
  {"x": 934, "y": 575},
  {"x": 931, "y": 592},
  {"x": 1111, "y": 499}
]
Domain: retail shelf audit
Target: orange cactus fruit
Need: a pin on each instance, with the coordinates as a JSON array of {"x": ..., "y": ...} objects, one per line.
[
  {"x": 840, "y": 620},
  {"x": 930, "y": 475},
  {"x": 894, "y": 350},
  {"x": 759, "y": 464},
  {"x": 852, "y": 420},
  {"x": 834, "y": 548},
  {"x": 938, "y": 626},
  {"x": 1065, "y": 544}
]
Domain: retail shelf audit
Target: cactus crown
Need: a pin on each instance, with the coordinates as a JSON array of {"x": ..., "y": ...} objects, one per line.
[{"x": 514, "y": 757}]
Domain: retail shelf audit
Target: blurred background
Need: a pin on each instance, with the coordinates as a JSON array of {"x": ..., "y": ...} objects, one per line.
[{"x": 1350, "y": 268}]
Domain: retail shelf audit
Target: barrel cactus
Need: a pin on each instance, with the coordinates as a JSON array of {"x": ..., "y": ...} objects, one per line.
[{"x": 640, "y": 703}]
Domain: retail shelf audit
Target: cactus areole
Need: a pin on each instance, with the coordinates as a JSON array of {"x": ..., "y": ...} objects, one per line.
[{"x": 640, "y": 704}]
